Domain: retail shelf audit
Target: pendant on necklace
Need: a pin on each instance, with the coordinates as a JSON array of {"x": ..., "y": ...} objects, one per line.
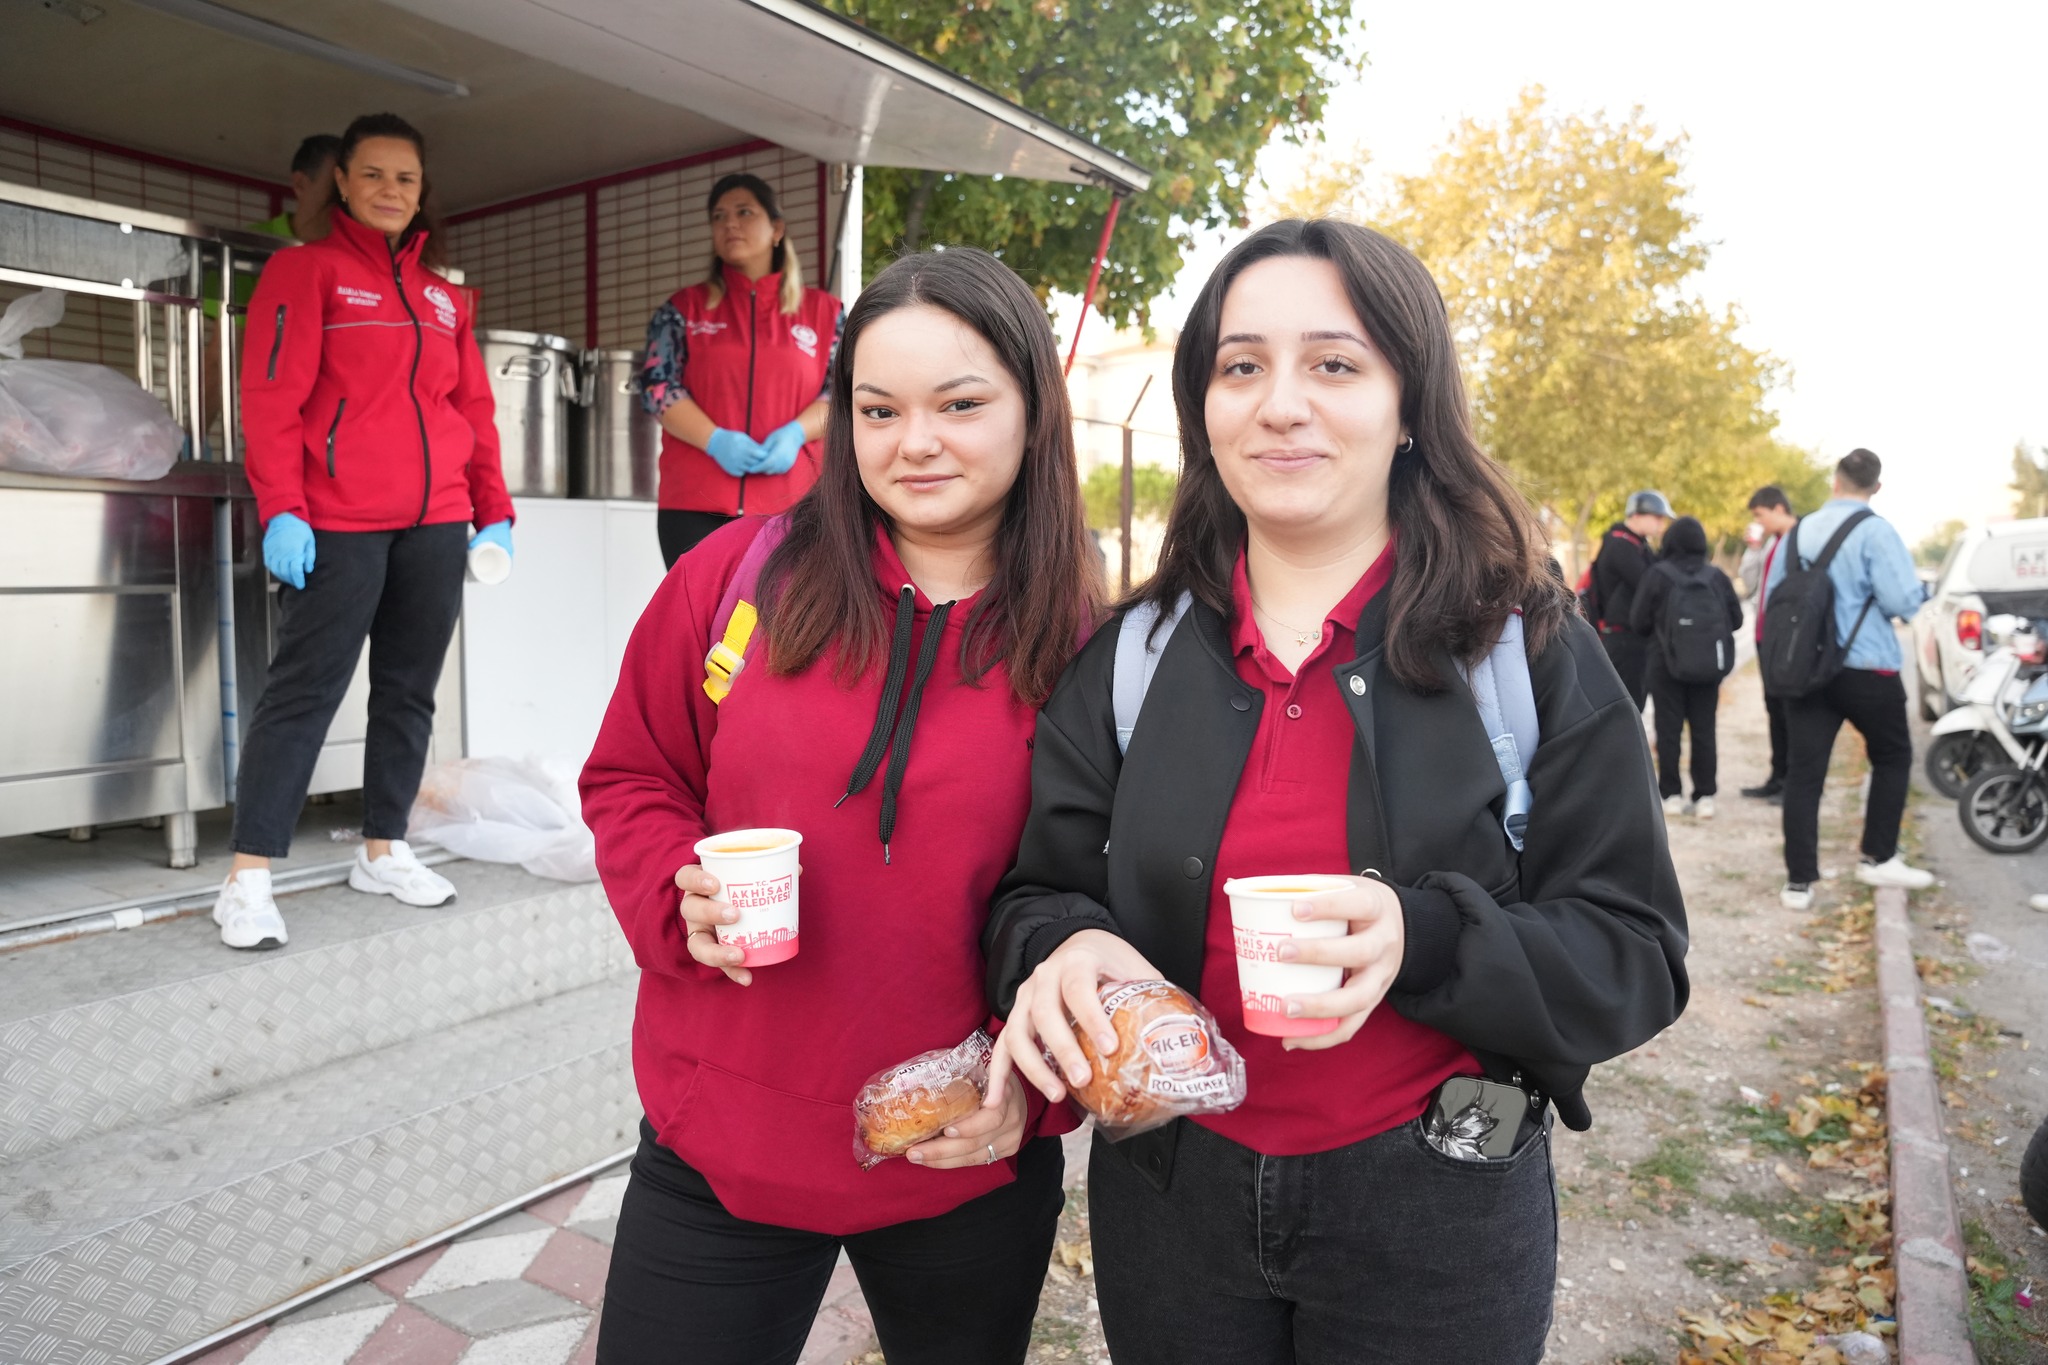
[{"x": 1304, "y": 641}]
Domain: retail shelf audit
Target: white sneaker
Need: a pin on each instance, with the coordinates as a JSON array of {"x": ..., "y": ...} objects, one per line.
[
  {"x": 1674, "y": 805},
  {"x": 1796, "y": 896},
  {"x": 1894, "y": 872},
  {"x": 398, "y": 873},
  {"x": 247, "y": 914},
  {"x": 2038, "y": 902},
  {"x": 1703, "y": 808}
]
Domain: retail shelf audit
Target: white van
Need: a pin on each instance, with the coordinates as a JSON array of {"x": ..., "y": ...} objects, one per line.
[{"x": 1990, "y": 569}]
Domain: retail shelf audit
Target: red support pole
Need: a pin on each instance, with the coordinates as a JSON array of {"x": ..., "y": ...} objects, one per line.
[{"x": 1094, "y": 277}]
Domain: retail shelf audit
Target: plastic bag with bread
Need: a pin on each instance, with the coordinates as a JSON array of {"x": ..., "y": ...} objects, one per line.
[
  {"x": 1171, "y": 1060},
  {"x": 913, "y": 1101}
]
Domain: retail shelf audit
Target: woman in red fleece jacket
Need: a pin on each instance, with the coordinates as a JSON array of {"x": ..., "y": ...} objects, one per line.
[{"x": 946, "y": 528}]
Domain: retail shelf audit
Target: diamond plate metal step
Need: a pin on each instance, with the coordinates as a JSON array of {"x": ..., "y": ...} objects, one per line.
[
  {"x": 103, "y": 1033},
  {"x": 124, "y": 1245}
]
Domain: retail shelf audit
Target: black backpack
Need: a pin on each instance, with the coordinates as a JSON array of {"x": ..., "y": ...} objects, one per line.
[
  {"x": 1800, "y": 653},
  {"x": 1694, "y": 634}
]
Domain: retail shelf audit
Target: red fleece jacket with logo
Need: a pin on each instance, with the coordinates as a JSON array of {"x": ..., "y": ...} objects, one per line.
[
  {"x": 365, "y": 403},
  {"x": 753, "y": 1086}
]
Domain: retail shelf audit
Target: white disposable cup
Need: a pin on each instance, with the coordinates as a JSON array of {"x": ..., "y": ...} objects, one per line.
[
  {"x": 489, "y": 564},
  {"x": 757, "y": 876},
  {"x": 1261, "y": 919}
]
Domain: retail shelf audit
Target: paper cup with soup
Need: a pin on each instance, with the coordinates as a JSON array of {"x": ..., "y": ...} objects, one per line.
[
  {"x": 757, "y": 876},
  {"x": 1261, "y": 920}
]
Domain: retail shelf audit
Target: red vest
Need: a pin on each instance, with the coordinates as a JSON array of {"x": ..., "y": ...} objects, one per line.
[
  {"x": 365, "y": 403},
  {"x": 752, "y": 368}
]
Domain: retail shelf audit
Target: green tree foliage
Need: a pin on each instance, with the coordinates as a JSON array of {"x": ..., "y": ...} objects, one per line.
[
  {"x": 1189, "y": 89},
  {"x": 2029, "y": 481},
  {"x": 1151, "y": 494},
  {"x": 1931, "y": 551},
  {"x": 1567, "y": 254}
]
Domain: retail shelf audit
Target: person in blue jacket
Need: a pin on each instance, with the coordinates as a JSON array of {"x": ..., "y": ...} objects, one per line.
[{"x": 1874, "y": 582}]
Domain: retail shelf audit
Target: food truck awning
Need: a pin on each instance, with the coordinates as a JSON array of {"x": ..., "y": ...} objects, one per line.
[{"x": 517, "y": 95}]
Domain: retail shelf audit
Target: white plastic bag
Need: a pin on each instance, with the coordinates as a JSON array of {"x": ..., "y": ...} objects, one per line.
[
  {"x": 64, "y": 417},
  {"x": 507, "y": 810}
]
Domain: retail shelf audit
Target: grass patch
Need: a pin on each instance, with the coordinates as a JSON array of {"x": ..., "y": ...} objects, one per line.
[
  {"x": 1997, "y": 1326},
  {"x": 1765, "y": 1128},
  {"x": 1720, "y": 1270},
  {"x": 1820, "y": 1227},
  {"x": 1679, "y": 1160}
]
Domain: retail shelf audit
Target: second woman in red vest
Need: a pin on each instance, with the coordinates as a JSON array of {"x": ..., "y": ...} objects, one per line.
[{"x": 735, "y": 371}]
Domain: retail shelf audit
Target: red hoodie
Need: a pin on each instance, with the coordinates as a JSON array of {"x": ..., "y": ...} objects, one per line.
[
  {"x": 364, "y": 398},
  {"x": 753, "y": 1086}
]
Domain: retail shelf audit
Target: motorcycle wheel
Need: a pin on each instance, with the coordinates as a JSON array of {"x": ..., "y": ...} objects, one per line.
[
  {"x": 2005, "y": 810},
  {"x": 1952, "y": 760},
  {"x": 2034, "y": 1176}
]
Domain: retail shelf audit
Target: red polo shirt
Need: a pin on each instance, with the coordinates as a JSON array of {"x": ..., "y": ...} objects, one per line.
[{"x": 1289, "y": 817}]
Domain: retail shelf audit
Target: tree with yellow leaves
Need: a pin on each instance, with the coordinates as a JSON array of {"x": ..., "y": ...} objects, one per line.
[{"x": 1567, "y": 254}]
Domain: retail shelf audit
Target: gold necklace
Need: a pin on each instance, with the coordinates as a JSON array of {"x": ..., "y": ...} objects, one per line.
[{"x": 1302, "y": 638}]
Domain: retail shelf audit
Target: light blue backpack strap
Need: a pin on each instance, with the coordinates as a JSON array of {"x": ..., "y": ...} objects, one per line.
[
  {"x": 1138, "y": 648},
  {"x": 1507, "y": 707}
]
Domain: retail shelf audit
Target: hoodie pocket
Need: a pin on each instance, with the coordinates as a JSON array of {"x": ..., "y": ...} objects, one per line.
[
  {"x": 333, "y": 429},
  {"x": 781, "y": 1159},
  {"x": 276, "y": 343}
]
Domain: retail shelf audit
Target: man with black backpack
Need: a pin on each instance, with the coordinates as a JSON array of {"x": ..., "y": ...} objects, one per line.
[
  {"x": 1625, "y": 556},
  {"x": 1828, "y": 649},
  {"x": 1689, "y": 609}
]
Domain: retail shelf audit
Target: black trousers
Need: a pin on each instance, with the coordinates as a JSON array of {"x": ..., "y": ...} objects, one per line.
[
  {"x": 401, "y": 591},
  {"x": 692, "y": 1285},
  {"x": 1683, "y": 705},
  {"x": 680, "y": 531},
  {"x": 1385, "y": 1252},
  {"x": 1630, "y": 655},
  {"x": 1875, "y": 703},
  {"x": 1781, "y": 742}
]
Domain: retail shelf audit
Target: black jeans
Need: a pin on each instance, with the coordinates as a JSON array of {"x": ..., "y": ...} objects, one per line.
[
  {"x": 1385, "y": 1251},
  {"x": 1875, "y": 703},
  {"x": 400, "y": 590},
  {"x": 1687, "y": 705},
  {"x": 692, "y": 1285},
  {"x": 680, "y": 531},
  {"x": 1781, "y": 740},
  {"x": 1630, "y": 655}
]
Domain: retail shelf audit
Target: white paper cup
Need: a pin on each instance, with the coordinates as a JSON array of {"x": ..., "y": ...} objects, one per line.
[
  {"x": 489, "y": 564},
  {"x": 757, "y": 874},
  {"x": 1261, "y": 919}
]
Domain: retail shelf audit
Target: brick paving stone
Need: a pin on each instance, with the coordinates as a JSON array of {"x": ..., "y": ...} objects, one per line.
[
  {"x": 323, "y": 1341},
  {"x": 573, "y": 1265},
  {"x": 510, "y": 1225},
  {"x": 494, "y": 1258},
  {"x": 601, "y": 1200},
  {"x": 399, "y": 1279},
  {"x": 604, "y": 1230},
  {"x": 356, "y": 1296},
  {"x": 586, "y": 1352},
  {"x": 551, "y": 1343},
  {"x": 410, "y": 1337},
  {"x": 499, "y": 1306},
  {"x": 557, "y": 1207},
  {"x": 233, "y": 1352}
]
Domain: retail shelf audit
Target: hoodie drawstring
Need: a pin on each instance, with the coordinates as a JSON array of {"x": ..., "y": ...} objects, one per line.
[{"x": 892, "y": 731}]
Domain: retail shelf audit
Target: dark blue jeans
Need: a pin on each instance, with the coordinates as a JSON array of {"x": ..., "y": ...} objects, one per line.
[{"x": 1385, "y": 1251}]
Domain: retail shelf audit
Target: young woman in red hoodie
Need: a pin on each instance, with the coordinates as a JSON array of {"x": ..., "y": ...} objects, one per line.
[{"x": 946, "y": 529}]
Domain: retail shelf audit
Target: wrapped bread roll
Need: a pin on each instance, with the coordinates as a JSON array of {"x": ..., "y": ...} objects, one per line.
[
  {"x": 913, "y": 1101},
  {"x": 1170, "y": 1060}
]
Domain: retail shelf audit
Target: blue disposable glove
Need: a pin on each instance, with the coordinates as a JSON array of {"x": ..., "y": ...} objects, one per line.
[
  {"x": 779, "y": 451},
  {"x": 735, "y": 451},
  {"x": 497, "y": 533},
  {"x": 288, "y": 549}
]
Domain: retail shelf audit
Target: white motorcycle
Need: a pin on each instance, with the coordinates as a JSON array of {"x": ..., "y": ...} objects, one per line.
[{"x": 1978, "y": 734}]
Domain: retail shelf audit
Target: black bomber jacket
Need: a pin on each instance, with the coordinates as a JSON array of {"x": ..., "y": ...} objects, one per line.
[{"x": 1543, "y": 963}]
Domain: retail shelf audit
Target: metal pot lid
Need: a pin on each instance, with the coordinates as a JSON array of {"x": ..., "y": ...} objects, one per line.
[{"x": 541, "y": 339}]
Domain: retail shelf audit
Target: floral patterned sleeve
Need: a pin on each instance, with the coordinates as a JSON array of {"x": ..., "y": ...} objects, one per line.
[
  {"x": 668, "y": 350},
  {"x": 832, "y": 358}
]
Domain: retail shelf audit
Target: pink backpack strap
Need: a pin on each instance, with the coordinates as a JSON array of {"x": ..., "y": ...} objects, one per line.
[{"x": 732, "y": 628}]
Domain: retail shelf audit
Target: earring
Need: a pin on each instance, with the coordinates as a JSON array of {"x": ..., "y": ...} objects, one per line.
[{"x": 1406, "y": 447}]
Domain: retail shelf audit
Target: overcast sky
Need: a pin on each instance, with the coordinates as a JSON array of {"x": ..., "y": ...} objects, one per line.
[{"x": 1874, "y": 179}]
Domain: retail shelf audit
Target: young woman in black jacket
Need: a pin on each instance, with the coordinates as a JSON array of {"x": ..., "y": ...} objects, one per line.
[
  {"x": 1347, "y": 548},
  {"x": 1689, "y": 700}
]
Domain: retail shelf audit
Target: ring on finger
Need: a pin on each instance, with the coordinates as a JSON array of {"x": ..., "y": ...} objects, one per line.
[{"x": 991, "y": 1155}]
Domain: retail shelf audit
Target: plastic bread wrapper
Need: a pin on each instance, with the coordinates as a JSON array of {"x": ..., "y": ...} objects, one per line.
[
  {"x": 1182, "y": 1063},
  {"x": 914, "y": 1101}
]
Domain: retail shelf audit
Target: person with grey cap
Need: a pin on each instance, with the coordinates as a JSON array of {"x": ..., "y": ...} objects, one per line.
[{"x": 1625, "y": 556}]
